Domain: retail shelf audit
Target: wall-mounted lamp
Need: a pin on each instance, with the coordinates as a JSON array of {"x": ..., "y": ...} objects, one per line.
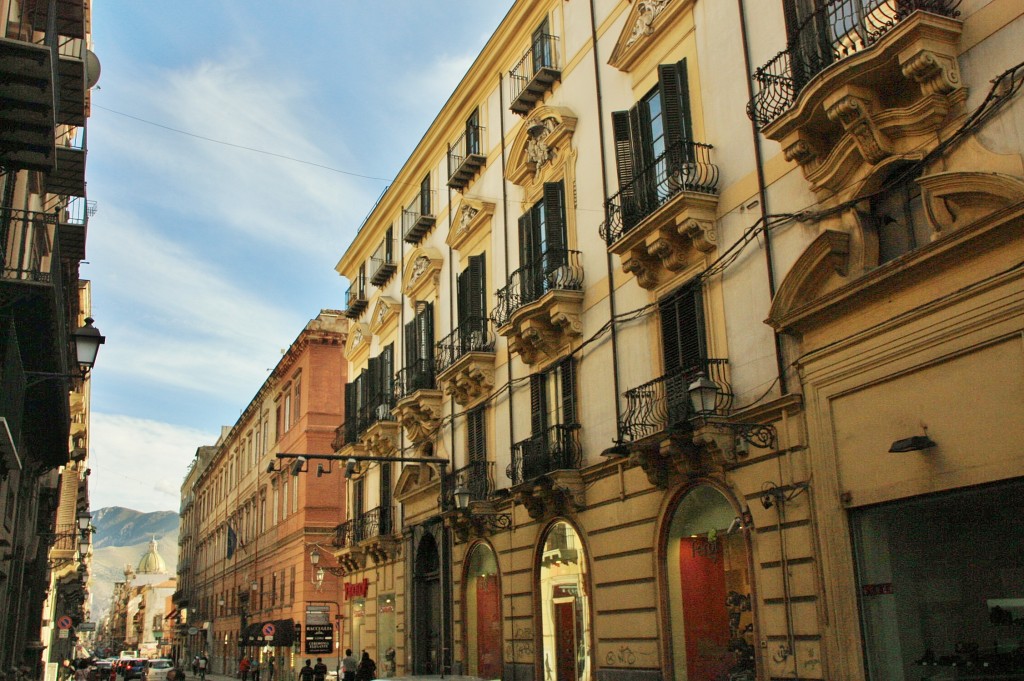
[
  {"x": 314, "y": 560},
  {"x": 321, "y": 470},
  {"x": 916, "y": 443},
  {"x": 272, "y": 467},
  {"x": 87, "y": 340},
  {"x": 705, "y": 395},
  {"x": 492, "y": 520},
  {"x": 350, "y": 468}
]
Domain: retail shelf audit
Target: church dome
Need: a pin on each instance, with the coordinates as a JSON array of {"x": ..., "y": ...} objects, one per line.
[{"x": 151, "y": 562}]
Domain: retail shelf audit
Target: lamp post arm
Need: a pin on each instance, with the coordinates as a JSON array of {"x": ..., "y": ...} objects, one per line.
[{"x": 365, "y": 457}]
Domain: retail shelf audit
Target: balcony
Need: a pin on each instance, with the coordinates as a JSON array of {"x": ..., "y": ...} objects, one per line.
[
  {"x": 73, "y": 217},
  {"x": 665, "y": 216},
  {"x": 373, "y": 524},
  {"x": 477, "y": 478},
  {"x": 418, "y": 218},
  {"x": 465, "y": 158},
  {"x": 858, "y": 82},
  {"x": 418, "y": 400},
  {"x": 464, "y": 361},
  {"x": 659, "y": 410},
  {"x": 28, "y": 78},
  {"x": 382, "y": 263},
  {"x": 535, "y": 74},
  {"x": 67, "y": 178},
  {"x": 355, "y": 298},
  {"x": 539, "y": 310},
  {"x": 545, "y": 471}
]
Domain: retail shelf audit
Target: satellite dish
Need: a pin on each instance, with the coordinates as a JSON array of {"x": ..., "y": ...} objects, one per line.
[{"x": 92, "y": 69}]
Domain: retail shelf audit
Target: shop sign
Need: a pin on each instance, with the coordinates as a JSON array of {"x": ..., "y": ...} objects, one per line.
[
  {"x": 318, "y": 614},
  {"x": 884, "y": 589},
  {"x": 357, "y": 590},
  {"x": 319, "y": 639}
]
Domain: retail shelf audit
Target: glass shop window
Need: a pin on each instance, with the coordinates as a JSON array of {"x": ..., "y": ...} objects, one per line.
[{"x": 941, "y": 585}]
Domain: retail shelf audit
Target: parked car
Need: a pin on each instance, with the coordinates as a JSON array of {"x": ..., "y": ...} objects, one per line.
[
  {"x": 134, "y": 669},
  {"x": 156, "y": 670}
]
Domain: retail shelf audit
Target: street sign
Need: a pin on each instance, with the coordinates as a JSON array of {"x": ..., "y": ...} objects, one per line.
[
  {"x": 87, "y": 626},
  {"x": 64, "y": 622},
  {"x": 319, "y": 639},
  {"x": 269, "y": 629},
  {"x": 192, "y": 631},
  {"x": 63, "y": 633}
]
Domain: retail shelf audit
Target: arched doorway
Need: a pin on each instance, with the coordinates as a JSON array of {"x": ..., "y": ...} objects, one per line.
[
  {"x": 709, "y": 584},
  {"x": 564, "y": 606},
  {"x": 427, "y": 614},
  {"x": 482, "y": 603}
]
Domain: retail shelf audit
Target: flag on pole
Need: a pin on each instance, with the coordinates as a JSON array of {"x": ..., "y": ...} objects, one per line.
[{"x": 232, "y": 541}]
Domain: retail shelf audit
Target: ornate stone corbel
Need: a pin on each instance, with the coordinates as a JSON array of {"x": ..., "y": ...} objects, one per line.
[
  {"x": 853, "y": 112},
  {"x": 643, "y": 266},
  {"x": 935, "y": 73},
  {"x": 669, "y": 251},
  {"x": 801, "y": 152},
  {"x": 701, "y": 233}
]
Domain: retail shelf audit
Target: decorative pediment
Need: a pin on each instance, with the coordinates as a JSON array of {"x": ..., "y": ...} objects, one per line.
[
  {"x": 955, "y": 199},
  {"x": 422, "y": 274},
  {"x": 822, "y": 266},
  {"x": 416, "y": 480},
  {"x": 385, "y": 316},
  {"x": 472, "y": 218},
  {"x": 357, "y": 347},
  {"x": 645, "y": 19},
  {"x": 542, "y": 147}
]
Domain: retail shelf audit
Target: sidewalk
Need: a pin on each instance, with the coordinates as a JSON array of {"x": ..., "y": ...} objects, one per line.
[{"x": 427, "y": 677}]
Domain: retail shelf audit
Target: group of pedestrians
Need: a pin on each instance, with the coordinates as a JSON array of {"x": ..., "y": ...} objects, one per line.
[
  {"x": 247, "y": 666},
  {"x": 363, "y": 670}
]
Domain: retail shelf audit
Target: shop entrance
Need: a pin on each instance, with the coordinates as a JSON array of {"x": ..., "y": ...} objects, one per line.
[
  {"x": 428, "y": 613},
  {"x": 708, "y": 575},
  {"x": 565, "y": 611},
  {"x": 482, "y": 602}
]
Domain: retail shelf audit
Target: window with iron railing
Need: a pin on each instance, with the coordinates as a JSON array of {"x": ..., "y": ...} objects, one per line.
[
  {"x": 554, "y": 431},
  {"x": 536, "y": 71},
  {"x": 370, "y": 397},
  {"x": 418, "y": 373},
  {"x": 418, "y": 216},
  {"x": 473, "y": 333},
  {"x": 382, "y": 263},
  {"x": 355, "y": 296},
  {"x": 465, "y": 155}
]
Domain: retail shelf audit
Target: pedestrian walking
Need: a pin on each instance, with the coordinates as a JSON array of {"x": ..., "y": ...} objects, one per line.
[
  {"x": 348, "y": 666},
  {"x": 270, "y": 668},
  {"x": 306, "y": 673},
  {"x": 202, "y": 664},
  {"x": 244, "y": 665},
  {"x": 319, "y": 670},
  {"x": 366, "y": 670}
]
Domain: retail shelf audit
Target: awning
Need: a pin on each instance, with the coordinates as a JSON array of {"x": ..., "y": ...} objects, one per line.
[{"x": 283, "y": 635}]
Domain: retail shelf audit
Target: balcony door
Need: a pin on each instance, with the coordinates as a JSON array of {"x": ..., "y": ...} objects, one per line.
[
  {"x": 552, "y": 410},
  {"x": 542, "y": 245},
  {"x": 683, "y": 346},
  {"x": 419, "y": 349},
  {"x": 472, "y": 304}
]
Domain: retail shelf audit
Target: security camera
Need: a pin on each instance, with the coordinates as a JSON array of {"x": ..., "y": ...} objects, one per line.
[
  {"x": 297, "y": 466},
  {"x": 350, "y": 468},
  {"x": 270, "y": 467}
]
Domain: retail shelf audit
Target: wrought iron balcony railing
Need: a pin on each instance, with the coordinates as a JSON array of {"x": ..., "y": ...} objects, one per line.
[
  {"x": 556, "y": 269},
  {"x": 473, "y": 335},
  {"x": 834, "y": 31},
  {"x": 477, "y": 478},
  {"x": 534, "y": 73},
  {"x": 25, "y": 245},
  {"x": 664, "y": 403},
  {"x": 382, "y": 263},
  {"x": 685, "y": 166},
  {"x": 343, "y": 534},
  {"x": 465, "y": 157},
  {"x": 418, "y": 217},
  {"x": 417, "y": 376},
  {"x": 355, "y": 297},
  {"x": 373, "y": 523},
  {"x": 556, "y": 448},
  {"x": 378, "y": 408}
]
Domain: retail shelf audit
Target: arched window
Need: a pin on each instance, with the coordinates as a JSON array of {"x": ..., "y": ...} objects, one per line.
[
  {"x": 482, "y": 608},
  {"x": 898, "y": 216},
  {"x": 564, "y": 606}
]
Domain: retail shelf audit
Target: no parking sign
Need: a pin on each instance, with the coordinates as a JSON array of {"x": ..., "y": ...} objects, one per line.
[
  {"x": 63, "y": 622},
  {"x": 268, "y": 630}
]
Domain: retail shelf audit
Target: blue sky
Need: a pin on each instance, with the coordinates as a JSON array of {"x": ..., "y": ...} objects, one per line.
[{"x": 207, "y": 259}]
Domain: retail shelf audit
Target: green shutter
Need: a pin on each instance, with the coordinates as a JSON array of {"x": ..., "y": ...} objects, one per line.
[
  {"x": 568, "y": 369},
  {"x": 675, "y": 102}
]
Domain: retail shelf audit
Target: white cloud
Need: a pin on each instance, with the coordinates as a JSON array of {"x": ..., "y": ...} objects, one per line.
[{"x": 142, "y": 462}]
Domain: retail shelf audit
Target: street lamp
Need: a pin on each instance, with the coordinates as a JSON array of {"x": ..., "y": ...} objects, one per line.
[
  {"x": 704, "y": 395},
  {"x": 493, "y": 520},
  {"x": 87, "y": 340}
]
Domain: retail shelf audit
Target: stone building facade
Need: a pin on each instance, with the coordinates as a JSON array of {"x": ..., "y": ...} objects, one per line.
[{"x": 687, "y": 344}]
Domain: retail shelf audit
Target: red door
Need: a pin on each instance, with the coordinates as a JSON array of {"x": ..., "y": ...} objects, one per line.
[
  {"x": 488, "y": 621},
  {"x": 565, "y": 641},
  {"x": 705, "y": 616}
]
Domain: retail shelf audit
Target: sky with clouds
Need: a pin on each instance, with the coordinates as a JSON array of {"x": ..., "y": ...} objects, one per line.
[{"x": 209, "y": 251}]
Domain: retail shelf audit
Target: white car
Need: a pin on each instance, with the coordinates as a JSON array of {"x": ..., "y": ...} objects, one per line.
[{"x": 156, "y": 670}]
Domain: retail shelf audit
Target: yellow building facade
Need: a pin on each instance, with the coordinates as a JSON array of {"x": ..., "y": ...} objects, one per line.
[{"x": 676, "y": 356}]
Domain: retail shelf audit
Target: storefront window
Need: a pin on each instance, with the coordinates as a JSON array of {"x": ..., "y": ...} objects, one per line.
[
  {"x": 482, "y": 602},
  {"x": 941, "y": 585},
  {"x": 709, "y": 590},
  {"x": 358, "y": 624},
  {"x": 386, "y": 635},
  {"x": 565, "y": 609}
]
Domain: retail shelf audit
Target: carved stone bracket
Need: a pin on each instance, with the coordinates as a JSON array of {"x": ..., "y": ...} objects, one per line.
[
  {"x": 353, "y": 560},
  {"x": 668, "y": 460},
  {"x": 669, "y": 240},
  {"x": 419, "y": 414},
  {"x": 382, "y": 438},
  {"x": 557, "y": 493},
  {"x": 852, "y": 107},
  {"x": 545, "y": 327},
  {"x": 470, "y": 378},
  {"x": 383, "y": 549}
]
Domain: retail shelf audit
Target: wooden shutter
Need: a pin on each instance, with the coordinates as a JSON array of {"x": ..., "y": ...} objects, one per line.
[
  {"x": 528, "y": 247},
  {"x": 477, "y": 291},
  {"x": 476, "y": 436},
  {"x": 538, "y": 404},
  {"x": 425, "y": 207},
  {"x": 385, "y": 497},
  {"x": 675, "y": 102},
  {"x": 351, "y": 410},
  {"x": 387, "y": 373},
  {"x": 554, "y": 217},
  {"x": 568, "y": 369},
  {"x": 623, "y": 140},
  {"x": 411, "y": 345},
  {"x": 389, "y": 245},
  {"x": 682, "y": 330},
  {"x": 425, "y": 333}
]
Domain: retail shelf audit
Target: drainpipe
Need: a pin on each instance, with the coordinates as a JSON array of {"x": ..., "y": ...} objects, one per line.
[
  {"x": 762, "y": 196},
  {"x": 608, "y": 256}
]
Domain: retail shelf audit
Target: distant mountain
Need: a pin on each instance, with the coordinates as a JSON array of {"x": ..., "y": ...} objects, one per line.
[
  {"x": 116, "y": 526},
  {"x": 121, "y": 539}
]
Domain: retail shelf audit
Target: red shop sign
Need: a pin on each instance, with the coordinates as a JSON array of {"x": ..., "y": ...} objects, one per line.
[{"x": 357, "y": 590}]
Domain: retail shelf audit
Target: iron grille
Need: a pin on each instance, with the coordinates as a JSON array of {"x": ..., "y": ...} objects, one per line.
[
  {"x": 557, "y": 269},
  {"x": 555, "y": 448}
]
